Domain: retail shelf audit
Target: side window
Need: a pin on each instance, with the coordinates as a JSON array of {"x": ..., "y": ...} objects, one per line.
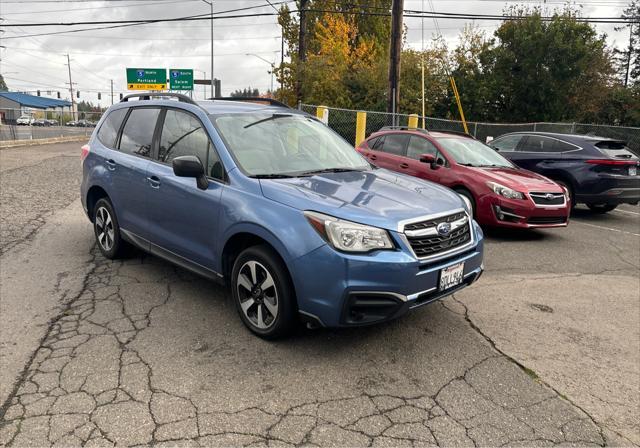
[
  {"x": 183, "y": 135},
  {"x": 394, "y": 144},
  {"x": 137, "y": 134},
  {"x": 560, "y": 146},
  {"x": 378, "y": 144},
  {"x": 371, "y": 143},
  {"x": 508, "y": 143},
  {"x": 418, "y": 146},
  {"x": 538, "y": 143},
  {"x": 108, "y": 132}
]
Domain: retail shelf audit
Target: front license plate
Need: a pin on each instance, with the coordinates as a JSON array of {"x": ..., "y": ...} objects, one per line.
[
  {"x": 451, "y": 276},
  {"x": 633, "y": 170}
]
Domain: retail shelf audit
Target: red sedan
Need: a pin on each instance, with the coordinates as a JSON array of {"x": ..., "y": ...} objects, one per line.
[{"x": 499, "y": 193}]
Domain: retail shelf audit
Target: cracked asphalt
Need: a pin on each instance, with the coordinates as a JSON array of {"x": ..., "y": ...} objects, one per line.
[{"x": 544, "y": 350}]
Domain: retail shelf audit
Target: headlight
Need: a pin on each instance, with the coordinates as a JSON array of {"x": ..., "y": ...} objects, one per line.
[
  {"x": 505, "y": 191},
  {"x": 349, "y": 236}
]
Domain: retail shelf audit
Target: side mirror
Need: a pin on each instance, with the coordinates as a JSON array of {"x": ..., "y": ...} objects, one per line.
[
  {"x": 190, "y": 166},
  {"x": 427, "y": 158}
]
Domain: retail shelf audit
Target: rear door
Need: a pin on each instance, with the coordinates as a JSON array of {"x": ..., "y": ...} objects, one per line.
[
  {"x": 183, "y": 220},
  {"x": 541, "y": 154},
  {"x": 129, "y": 168},
  {"x": 392, "y": 151}
]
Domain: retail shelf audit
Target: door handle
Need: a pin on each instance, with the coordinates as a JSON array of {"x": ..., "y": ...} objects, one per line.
[
  {"x": 111, "y": 164},
  {"x": 373, "y": 157},
  {"x": 404, "y": 165},
  {"x": 154, "y": 181}
]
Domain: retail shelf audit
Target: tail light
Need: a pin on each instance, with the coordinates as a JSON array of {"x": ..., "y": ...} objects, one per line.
[
  {"x": 611, "y": 162},
  {"x": 85, "y": 152}
]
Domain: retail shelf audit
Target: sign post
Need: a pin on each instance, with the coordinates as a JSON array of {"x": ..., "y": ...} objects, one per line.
[
  {"x": 146, "y": 78},
  {"x": 180, "y": 79}
]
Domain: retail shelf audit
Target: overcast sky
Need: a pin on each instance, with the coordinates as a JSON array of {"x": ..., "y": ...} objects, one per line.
[{"x": 99, "y": 56}]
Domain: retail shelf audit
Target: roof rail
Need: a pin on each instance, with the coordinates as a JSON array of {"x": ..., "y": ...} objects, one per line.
[
  {"x": 455, "y": 132},
  {"x": 403, "y": 128},
  {"x": 252, "y": 99},
  {"x": 148, "y": 95}
]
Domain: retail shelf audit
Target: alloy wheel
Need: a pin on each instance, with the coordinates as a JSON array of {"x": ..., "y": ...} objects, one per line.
[
  {"x": 104, "y": 229},
  {"x": 257, "y": 294}
]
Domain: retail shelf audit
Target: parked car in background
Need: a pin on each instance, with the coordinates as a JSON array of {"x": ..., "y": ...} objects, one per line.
[
  {"x": 597, "y": 171},
  {"x": 41, "y": 122},
  {"x": 72, "y": 123},
  {"x": 85, "y": 123},
  {"x": 277, "y": 205},
  {"x": 500, "y": 193},
  {"x": 25, "y": 120},
  {"x": 53, "y": 122}
]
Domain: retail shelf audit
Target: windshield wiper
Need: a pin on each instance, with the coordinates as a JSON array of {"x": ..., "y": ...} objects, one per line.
[
  {"x": 272, "y": 117},
  {"x": 272, "y": 176},
  {"x": 327, "y": 170}
]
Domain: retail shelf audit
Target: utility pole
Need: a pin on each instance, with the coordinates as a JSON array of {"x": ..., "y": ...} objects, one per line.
[
  {"x": 393, "y": 95},
  {"x": 112, "y": 92},
  {"x": 302, "y": 48},
  {"x": 629, "y": 51},
  {"x": 73, "y": 101},
  {"x": 213, "y": 87}
]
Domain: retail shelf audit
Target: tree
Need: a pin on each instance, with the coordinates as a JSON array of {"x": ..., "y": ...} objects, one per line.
[
  {"x": 3, "y": 85},
  {"x": 628, "y": 59},
  {"x": 546, "y": 70},
  {"x": 247, "y": 92}
]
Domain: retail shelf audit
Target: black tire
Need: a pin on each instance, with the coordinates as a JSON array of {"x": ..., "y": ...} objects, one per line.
[
  {"x": 467, "y": 194},
  {"x": 570, "y": 190},
  {"x": 107, "y": 231},
  {"x": 601, "y": 208},
  {"x": 258, "y": 302}
]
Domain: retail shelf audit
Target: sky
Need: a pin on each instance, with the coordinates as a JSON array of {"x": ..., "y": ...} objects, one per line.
[{"x": 243, "y": 47}]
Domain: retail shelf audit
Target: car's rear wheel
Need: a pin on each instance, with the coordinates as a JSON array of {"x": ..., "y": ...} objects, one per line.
[
  {"x": 107, "y": 230},
  {"x": 601, "y": 208},
  {"x": 263, "y": 293}
]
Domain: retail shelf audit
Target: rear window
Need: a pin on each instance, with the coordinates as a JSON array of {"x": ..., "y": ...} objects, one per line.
[
  {"x": 394, "y": 144},
  {"x": 614, "y": 148},
  {"x": 137, "y": 134},
  {"x": 108, "y": 132}
]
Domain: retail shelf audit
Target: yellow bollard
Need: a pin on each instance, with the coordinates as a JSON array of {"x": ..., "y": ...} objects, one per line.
[
  {"x": 361, "y": 127},
  {"x": 413, "y": 121},
  {"x": 323, "y": 114}
]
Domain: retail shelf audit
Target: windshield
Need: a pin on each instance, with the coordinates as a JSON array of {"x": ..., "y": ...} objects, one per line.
[
  {"x": 280, "y": 145},
  {"x": 469, "y": 152}
]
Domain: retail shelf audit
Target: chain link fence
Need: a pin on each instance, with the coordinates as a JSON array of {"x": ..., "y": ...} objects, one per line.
[
  {"x": 343, "y": 121},
  {"x": 20, "y": 124}
]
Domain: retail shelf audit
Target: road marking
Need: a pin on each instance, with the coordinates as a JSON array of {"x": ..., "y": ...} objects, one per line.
[
  {"x": 606, "y": 228},
  {"x": 626, "y": 211}
]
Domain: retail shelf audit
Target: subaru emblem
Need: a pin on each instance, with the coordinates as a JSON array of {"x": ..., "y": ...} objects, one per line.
[
  {"x": 548, "y": 196},
  {"x": 444, "y": 228}
]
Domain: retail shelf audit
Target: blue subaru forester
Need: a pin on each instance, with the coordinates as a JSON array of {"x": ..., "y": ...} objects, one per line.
[{"x": 272, "y": 202}]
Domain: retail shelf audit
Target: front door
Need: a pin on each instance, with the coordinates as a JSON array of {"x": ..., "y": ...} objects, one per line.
[{"x": 183, "y": 219}]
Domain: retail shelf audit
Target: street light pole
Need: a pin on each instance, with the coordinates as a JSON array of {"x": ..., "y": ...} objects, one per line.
[
  {"x": 213, "y": 91},
  {"x": 272, "y": 64}
]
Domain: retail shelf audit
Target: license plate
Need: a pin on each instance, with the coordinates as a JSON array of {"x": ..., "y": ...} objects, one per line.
[
  {"x": 451, "y": 276},
  {"x": 633, "y": 170}
]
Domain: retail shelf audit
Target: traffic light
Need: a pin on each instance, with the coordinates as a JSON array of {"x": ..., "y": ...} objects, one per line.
[
  {"x": 38, "y": 93},
  {"x": 99, "y": 95},
  {"x": 58, "y": 95},
  {"x": 121, "y": 96},
  {"x": 77, "y": 94}
]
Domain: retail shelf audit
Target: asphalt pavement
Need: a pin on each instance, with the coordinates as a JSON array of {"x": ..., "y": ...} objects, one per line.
[{"x": 543, "y": 350}]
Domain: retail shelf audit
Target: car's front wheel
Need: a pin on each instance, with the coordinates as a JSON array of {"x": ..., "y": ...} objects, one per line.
[
  {"x": 263, "y": 293},
  {"x": 107, "y": 230},
  {"x": 601, "y": 208}
]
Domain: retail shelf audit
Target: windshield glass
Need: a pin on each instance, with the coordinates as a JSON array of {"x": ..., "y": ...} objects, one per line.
[
  {"x": 466, "y": 151},
  {"x": 286, "y": 145}
]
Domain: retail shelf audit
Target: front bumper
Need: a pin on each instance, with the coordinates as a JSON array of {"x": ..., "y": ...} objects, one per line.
[
  {"x": 336, "y": 289},
  {"x": 495, "y": 210}
]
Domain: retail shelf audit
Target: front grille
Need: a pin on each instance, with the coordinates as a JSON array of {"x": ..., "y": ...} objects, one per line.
[
  {"x": 426, "y": 246},
  {"x": 548, "y": 198},
  {"x": 547, "y": 220}
]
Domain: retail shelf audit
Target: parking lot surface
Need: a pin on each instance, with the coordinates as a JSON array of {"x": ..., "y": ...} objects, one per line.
[{"x": 543, "y": 350}]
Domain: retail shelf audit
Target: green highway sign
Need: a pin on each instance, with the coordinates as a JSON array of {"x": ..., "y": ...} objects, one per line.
[
  {"x": 180, "y": 79},
  {"x": 146, "y": 78}
]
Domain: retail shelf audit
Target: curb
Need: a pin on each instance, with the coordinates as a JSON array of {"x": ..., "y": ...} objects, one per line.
[{"x": 42, "y": 141}]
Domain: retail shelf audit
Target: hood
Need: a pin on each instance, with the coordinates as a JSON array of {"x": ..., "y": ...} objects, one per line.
[
  {"x": 519, "y": 179},
  {"x": 379, "y": 197}
]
